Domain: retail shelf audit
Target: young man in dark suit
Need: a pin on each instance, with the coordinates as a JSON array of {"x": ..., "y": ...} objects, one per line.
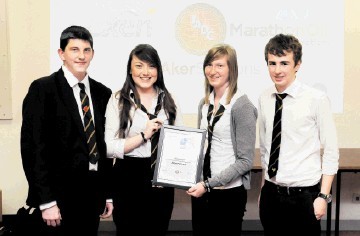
[{"x": 62, "y": 143}]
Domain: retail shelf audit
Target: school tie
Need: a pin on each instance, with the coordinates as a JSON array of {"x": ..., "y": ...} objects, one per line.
[
  {"x": 276, "y": 136},
  {"x": 89, "y": 127},
  {"x": 155, "y": 138},
  {"x": 210, "y": 129}
]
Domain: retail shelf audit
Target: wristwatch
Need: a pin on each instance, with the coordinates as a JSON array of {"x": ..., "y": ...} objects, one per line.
[
  {"x": 143, "y": 137},
  {"x": 327, "y": 197}
]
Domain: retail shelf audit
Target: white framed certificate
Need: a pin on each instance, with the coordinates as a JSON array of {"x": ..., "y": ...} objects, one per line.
[{"x": 179, "y": 157}]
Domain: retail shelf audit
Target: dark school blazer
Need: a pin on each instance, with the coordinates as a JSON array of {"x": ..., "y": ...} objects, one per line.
[{"x": 53, "y": 143}]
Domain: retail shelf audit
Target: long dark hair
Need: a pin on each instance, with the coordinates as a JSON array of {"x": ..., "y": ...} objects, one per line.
[{"x": 147, "y": 53}]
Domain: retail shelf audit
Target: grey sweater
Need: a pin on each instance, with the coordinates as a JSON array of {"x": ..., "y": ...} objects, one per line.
[{"x": 243, "y": 136}]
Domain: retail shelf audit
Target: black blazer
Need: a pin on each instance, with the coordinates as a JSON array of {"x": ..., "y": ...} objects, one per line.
[{"x": 54, "y": 152}]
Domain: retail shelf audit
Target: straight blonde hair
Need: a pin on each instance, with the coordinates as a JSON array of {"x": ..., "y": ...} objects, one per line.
[{"x": 214, "y": 53}]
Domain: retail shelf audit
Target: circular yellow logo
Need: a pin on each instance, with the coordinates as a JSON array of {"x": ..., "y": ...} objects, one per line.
[{"x": 199, "y": 27}]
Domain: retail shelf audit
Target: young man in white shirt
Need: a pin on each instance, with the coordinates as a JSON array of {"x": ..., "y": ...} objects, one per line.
[{"x": 297, "y": 178}]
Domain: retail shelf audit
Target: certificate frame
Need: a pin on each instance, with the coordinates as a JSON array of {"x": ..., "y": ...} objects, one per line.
[{"x": 179, "y": 156}]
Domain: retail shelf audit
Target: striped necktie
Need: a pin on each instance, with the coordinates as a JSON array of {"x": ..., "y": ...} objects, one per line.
[
  {"x": 276, "y": 136},
  {"x": 219, "y": 113},
  {"x": 155, "y": 138},
  {"x": 89, "y": 127}
]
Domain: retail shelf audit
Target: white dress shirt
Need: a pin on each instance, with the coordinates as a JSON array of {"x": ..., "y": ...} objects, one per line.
[
  {"x": 116, "y": 145},
  {"x": 73, "y": 82},
  {"x": 222, "y": 150},
  {"x": 307, "y": 126}
]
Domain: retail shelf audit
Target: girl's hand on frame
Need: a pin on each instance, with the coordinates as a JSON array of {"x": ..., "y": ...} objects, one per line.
[{"x": 197, "y": 190}]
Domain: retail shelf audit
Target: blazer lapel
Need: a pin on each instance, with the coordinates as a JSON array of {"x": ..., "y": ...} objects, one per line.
[
  {"x": 95, "y": 102},
  {"x": 67, "y": 96}
]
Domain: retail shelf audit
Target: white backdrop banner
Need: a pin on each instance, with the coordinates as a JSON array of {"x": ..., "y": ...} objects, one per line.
[{"x": 183, "y": 31}]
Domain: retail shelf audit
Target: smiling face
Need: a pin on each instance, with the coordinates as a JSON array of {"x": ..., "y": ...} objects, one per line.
[
  {"x": 143, "y": 73},
  {"x": 77, "y": 57},
  {"x": 217, "y": 73},
  {"x": 282, "y": 70}
]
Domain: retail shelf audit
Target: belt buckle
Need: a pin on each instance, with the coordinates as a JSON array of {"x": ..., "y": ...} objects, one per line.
[{"x": 283, "y": 190}]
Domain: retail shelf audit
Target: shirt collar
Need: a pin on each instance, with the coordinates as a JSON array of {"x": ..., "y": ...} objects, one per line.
[
  {"x": 72, "y": 80},
  {"x": 222, "y": 100},
  {"x": 159, "y": 92},
  {"x": 292, "y": 90}
]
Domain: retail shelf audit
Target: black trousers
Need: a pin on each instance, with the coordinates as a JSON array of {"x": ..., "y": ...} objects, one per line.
[
  {"x": 219, "y": 212},
  {"x": 139, "y": 208},
  {"x": 289, "y": 211},
  {"x": 81, "y": 213},
  {"x": 80, "y": 208}
]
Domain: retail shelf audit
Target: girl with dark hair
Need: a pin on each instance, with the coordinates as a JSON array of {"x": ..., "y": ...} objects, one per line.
[{"x": 134, "y": 117}]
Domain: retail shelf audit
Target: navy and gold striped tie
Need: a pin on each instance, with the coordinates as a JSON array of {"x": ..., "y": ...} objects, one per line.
[
  {"x": 89, "y": 127},
  {"x": 155, "y": 138},
  {"x": 276, "y": 136},
  {"x": 217, "y": 116}
]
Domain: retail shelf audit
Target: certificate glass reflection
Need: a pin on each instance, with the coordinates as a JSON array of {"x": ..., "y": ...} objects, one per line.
[{"x": 179, "y": 157}]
